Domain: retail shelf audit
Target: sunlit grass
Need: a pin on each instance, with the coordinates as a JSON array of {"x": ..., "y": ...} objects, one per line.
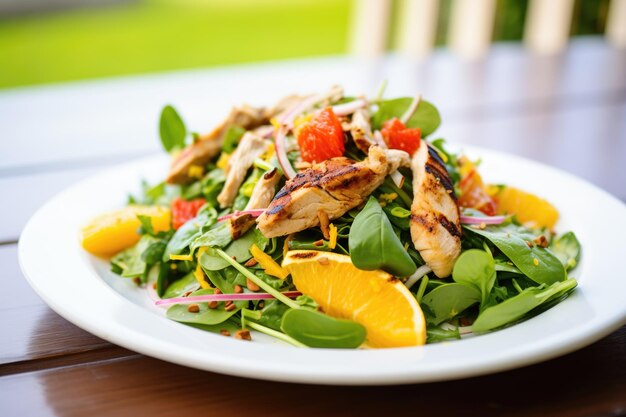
[{"x": 158, "y": 35}]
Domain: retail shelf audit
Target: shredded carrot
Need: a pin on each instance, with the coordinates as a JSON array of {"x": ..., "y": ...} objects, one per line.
[
  {"x": 267, "y": 263},
  {"x": 195, "y": 171},
  {"x": 199, "y": 273},
  {"x": 269, "y": 152},
  {"x": 332, "y": 242},
  {"x": 180, "y": 258},
  {"x": 389, "y": 197}
]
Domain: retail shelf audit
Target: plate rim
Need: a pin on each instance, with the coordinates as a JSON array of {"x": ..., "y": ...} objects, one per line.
[{"x": 573, "y": 341}]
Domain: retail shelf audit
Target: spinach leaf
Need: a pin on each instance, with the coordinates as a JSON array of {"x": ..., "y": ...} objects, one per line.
[
  {"x": 537, "y": 263},
  {"x": 567, "y": 249},
  {"x": 212, "y": 184},
  {"x": 426, "y": 117},
  {"x": 154, "y": 252},
  {"x": 206, "y": 315},
  {"x": 272, "y": 314},
  {"x": 497, "y": 295},
  {"x": 231, "y": 138},
  {"x": 476, "y": 268},
  {"x": 189, "y": 231},
  {"x": 315, "y": 329},
  {"x": 504, "y": 265},
  {"x": 172, "y": 129},
  {"x": 163, "y": 278},
  {"x": 130, "y": 262},
  {"x": 374, "y": 245},
  {"x": 517, "y": 306},
  {"x": 448, "y": 300},
  {"x": 275, "y": 283},
  {"x": 225, "y": 285},
  {"x": 232, "y": 325},
  {"x": 306, "y": 301},
  {"x": 181, "y": 286},
  {"x": 218, "y": 235},
  {"x": 239, "y": 250}
]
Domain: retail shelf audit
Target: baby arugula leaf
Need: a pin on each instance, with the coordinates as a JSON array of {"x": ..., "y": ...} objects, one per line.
[
  {"x": 374, "y": 244},
  {"x": 315, "y": 329},
  {"x": 537, "y": 263},
  {"x": 426, "y": 117},
  {"x": 172, "y": 129},
  {"x": 514, "y": 308},
  {"x": 448, "y": 300},
  {"x": 476, "y": 267},
  {"x": 567, "y": 249}
]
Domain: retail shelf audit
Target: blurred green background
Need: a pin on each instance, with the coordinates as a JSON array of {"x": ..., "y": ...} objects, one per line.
[{"x": 130, "y": 37}]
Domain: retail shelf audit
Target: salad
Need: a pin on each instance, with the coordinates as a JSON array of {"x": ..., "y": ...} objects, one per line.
[{"x": 333, "y": 221}]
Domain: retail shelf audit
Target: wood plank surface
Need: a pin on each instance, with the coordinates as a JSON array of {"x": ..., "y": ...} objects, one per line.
[
  {"x": 34, "y": 336},
  {"x": 590, "y": 382}
]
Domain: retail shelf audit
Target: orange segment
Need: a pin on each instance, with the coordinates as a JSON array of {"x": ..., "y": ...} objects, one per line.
[
  {"x": 112, "y": 232},
  {"x": 529, "y": 208},
  {"x": 375, "y": 299}
]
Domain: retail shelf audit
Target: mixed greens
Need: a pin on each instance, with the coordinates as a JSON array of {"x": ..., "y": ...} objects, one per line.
[{"x": 215, "y": 276}]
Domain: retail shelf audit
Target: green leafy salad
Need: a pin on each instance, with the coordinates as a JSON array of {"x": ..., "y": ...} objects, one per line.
[{"x": 333, "y": 221}]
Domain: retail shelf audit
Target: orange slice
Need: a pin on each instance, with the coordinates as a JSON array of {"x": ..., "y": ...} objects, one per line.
[
  {"x": 529, "y": 208},
  {"x": 112, "y": 232},
  {"x": 375, "y": 299}
]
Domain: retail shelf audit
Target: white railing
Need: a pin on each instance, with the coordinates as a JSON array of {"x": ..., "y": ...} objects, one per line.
[{"x": 470, "y": 30}]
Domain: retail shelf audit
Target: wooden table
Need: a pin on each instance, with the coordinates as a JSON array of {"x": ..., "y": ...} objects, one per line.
[{"x": 568, "y": 111}]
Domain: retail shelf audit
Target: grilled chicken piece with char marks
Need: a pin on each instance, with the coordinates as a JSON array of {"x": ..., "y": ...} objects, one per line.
[
  {"x": 208, "y": 146},
  {"x": 333, "y": 186},
  {"x": 249, "y": 149},
  {"x": 261, "y": 197},
  {"x": 435, "y": 225}
]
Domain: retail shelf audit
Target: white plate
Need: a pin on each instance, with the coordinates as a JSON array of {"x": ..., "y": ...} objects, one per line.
[{"x": 81, "y": 289}]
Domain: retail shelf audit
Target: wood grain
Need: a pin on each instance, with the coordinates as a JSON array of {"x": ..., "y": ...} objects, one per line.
[
  {"x": 33, "y": 336},
  {"x": 590, "y": 382}
]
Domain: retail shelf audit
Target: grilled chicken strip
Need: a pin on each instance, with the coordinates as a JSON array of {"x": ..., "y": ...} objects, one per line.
[
  {"x": 264, "y": 190},
  {"x": 249, "y": 149},
  {"x": 261, "y": 197},
  {"x": 435, "y": 226},
  {"x": 333, "y": 186},
  {"x": 361, "y": 130},
  {"x": 209, "y": 145}
]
